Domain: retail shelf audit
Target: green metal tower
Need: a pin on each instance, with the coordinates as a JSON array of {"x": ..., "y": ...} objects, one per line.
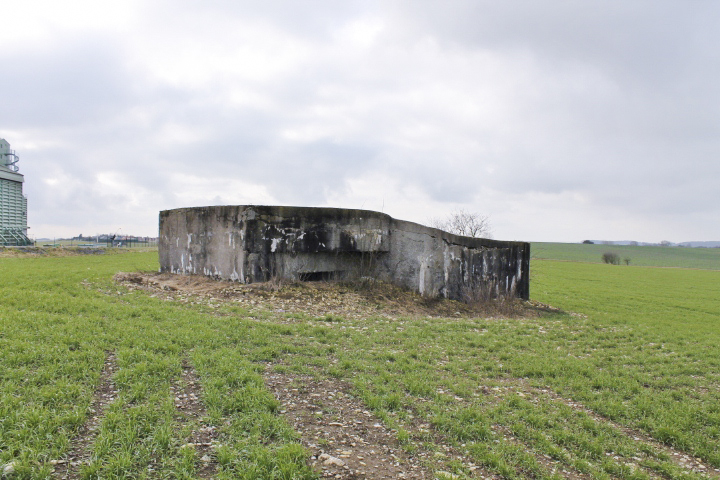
[{"x": 13, "y": 204}]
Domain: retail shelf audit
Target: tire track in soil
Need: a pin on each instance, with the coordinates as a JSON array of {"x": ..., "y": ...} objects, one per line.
[
  {"x": 680, "y": 458},
  {"x": 81, "y": 446},
  {"x": 203, "y": 438},
  {"x": 345, "y": 440},
  {"x": 552, "y": 466}
]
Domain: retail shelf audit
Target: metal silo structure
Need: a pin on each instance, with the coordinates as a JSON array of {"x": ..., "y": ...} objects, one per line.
[{"x": 13, "y": 204}]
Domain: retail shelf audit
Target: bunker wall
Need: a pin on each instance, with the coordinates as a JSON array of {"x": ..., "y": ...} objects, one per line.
[{"x": 258, "y": 243}]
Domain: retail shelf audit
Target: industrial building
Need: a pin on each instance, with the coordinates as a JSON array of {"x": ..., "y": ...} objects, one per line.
[{"x": 13, "y": 204}]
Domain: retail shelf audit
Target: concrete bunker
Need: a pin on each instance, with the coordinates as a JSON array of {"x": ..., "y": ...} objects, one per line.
[{"x": 252, "y": 243}]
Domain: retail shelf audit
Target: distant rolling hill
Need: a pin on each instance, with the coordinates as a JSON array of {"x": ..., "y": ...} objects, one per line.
[
  {"x": 701, "y": 244},
  {"x": 646, "y": 244},
  {"x": 647, "y": 256}
]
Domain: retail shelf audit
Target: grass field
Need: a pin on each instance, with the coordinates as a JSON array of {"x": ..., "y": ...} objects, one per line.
[
  {"x": 625, "y": 383},
  {"x": 680, "y": 257}
]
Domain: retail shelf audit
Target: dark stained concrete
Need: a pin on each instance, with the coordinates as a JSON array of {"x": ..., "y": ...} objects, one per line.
[{"x": 251, "y": 243}]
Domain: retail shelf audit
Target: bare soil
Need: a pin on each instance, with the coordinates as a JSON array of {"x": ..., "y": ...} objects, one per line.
[
  {"x": 320, "y": 299},
  {"x": 80, "y": 451},
  {"x": 345, "y": 439},
  {"x": 187, "y": 401}
]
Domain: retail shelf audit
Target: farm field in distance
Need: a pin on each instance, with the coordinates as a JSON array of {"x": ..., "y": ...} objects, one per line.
[
  {"x": 647, "y": 256},
  {"x": 146, "y": 378}
]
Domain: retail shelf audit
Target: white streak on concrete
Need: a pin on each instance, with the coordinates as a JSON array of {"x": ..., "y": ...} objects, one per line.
[
  {"x": 275, "y": 242},
  {"x": 421, "y": 279}
]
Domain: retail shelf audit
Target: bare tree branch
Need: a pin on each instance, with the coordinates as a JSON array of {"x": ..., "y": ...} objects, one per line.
[{"x": 468, "y": 224}]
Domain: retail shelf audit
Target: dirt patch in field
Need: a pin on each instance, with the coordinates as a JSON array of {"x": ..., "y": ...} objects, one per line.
[
  {"x": 319, "y": 299},
  {"x": 81, "y": 446},
  {"x": 202, "y": 439},
  {"x": 344, "y": 438}
]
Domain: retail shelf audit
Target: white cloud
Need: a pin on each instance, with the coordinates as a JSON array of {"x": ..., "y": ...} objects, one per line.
[{"x": 209, "y": 190}]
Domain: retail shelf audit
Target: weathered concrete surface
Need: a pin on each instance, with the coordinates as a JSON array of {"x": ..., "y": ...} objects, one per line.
[{"x": 258, "y": 243}]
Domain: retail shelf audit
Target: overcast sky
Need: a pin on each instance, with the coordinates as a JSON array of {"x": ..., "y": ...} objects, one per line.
[{"x": 562, "y": 120}]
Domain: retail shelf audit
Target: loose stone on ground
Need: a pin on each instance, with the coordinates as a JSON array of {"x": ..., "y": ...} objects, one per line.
[
  {"x": 190, "y": 408},
  {"x": 345, "y": 440},
  {"x": 81, "y": 450}
]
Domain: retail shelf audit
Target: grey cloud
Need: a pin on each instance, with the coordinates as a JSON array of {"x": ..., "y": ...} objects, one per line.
[
  {"x": 616, "y": 102},
  {"x": 77, "y": 83},
  {"x": 645, "y": 38},
  {"x": 309, "y": 19}
]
